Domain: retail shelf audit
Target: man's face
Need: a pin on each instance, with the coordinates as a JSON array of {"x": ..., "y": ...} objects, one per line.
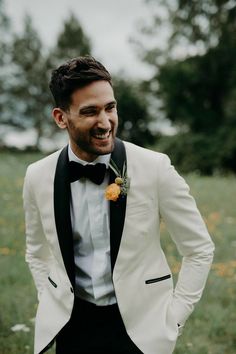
[{"x": 92, "y": 120}]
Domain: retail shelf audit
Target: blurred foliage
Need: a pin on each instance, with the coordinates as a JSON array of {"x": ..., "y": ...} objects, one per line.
[
  {"x": 4, "y": 30},
  {"x": 134, "y": 116},
  {"x": 29, "y": 90},
  {"x": 30, "y": 100},
  {"x": 195, "y": 79},
  {"x": 4, "y": 55},
  {"x": 71, "y": 42},
  {"x": 202, "y": 153},
  {"x": 198, "y": 91}
]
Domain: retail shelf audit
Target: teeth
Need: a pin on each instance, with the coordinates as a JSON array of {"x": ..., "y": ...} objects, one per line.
[{"x": 102, "y": 136}]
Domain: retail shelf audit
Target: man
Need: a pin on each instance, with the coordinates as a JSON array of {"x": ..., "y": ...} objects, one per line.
[{"x": 93, "y": 238}]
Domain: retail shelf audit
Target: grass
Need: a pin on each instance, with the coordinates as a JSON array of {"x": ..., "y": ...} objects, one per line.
[{"x": 212, "y": 327}]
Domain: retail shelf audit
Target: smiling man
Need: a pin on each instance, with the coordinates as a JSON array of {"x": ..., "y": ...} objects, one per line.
[{"x": 93, "y": 212}]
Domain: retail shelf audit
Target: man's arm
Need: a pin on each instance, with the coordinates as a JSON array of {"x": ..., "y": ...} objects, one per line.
[
  {"x": 188, "y": 231},
  {"x": 37, "y": 252}
]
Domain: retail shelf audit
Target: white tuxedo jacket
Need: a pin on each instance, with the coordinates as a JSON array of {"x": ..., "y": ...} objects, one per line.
[{"x": 149, "y": 305}]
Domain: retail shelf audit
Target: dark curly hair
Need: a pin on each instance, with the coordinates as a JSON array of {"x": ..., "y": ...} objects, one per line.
[{"x": 74, "y": 74}]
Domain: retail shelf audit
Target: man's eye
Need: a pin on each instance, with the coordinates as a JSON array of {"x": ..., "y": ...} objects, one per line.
[
  {"x": 110, "y": 108},
  {"x": 88, "y": 113}
]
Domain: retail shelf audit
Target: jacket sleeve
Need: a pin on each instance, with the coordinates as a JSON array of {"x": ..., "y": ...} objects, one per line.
[
  {"x": 37, "y": 252},
  {"x": 187, "y": 229}
]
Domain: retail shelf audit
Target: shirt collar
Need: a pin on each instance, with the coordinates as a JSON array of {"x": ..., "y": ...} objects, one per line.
[{"x": 100, "y": 159}]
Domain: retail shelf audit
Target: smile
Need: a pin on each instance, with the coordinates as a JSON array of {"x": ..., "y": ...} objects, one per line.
[{"x": 102, "y": 136}]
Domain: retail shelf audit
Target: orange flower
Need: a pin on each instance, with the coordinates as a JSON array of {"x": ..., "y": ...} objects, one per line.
[{"x": 112, "y": 192}]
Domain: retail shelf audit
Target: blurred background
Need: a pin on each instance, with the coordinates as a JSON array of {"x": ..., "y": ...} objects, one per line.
[
  {"x": 173, "y": 64},
  {"x": 174, "y": 73}
]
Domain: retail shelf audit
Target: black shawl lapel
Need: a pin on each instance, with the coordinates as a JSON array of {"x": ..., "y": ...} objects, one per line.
[
  {"x": 118, "y": 208},
  {"x": 62, "y": 213}
]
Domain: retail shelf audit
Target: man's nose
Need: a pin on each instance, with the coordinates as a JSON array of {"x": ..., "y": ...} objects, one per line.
[{"x": 104, "y": 120}]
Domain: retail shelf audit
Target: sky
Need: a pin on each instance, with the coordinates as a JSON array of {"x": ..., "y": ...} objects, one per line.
[{"x": 108, "y": 23}]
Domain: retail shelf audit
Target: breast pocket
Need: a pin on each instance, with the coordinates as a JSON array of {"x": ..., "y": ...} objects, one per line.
[
  {"x": 138, "y": 217},
  {"x": 138, "y": 208}
]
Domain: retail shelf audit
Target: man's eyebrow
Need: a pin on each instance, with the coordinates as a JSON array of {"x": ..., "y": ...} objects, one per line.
[
  {"x": 112, "y": 102},
  {"x": 84, "y": 108}
]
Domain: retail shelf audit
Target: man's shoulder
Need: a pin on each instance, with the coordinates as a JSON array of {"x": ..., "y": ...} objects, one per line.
[
  {"x": 44, "y": 165},
  {"x": 135, "y": 151}
]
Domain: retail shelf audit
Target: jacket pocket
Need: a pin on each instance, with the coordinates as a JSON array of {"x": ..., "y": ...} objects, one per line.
[
  {"x": 156, "y": 280},
  {"x": 52, "y": 282}
]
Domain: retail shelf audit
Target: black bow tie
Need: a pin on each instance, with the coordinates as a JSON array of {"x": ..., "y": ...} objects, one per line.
[{"x": 95, "y": 173}]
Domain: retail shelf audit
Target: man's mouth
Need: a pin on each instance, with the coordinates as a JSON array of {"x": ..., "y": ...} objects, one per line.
[{"x": 102, "y": 136}]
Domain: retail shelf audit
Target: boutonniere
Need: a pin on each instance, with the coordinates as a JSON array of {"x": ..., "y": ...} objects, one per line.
[{"x": 121, "y": 184}]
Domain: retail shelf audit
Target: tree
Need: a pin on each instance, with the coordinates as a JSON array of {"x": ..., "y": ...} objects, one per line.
[
  {"x": 31, "y": 100},
  {"x": 5, "y": 36},
  {"x": 182, "y": 28},
  {"x": 134, "y": 116},
  {"x": 197, "y": 91},
  {"x": 196, "y": 71},
  {"x": 72, "y": 42},
  {"x": 29, "y": 89}
]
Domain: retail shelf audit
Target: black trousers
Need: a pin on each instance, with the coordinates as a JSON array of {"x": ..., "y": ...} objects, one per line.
[{"x": 94, "y": 330}]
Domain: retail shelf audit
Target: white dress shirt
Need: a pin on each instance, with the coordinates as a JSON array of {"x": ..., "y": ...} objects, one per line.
[{"x": 91, "y": 232}]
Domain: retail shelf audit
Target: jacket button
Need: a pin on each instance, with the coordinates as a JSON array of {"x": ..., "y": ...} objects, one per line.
[{"x": 72, "y": 290}]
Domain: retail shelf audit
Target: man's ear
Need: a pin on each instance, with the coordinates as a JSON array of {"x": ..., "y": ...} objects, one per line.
[{"x": 59, "y": 116}]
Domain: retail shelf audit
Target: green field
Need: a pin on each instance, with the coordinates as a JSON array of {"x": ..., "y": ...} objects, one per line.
[{"x": 212, "y": 327}]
